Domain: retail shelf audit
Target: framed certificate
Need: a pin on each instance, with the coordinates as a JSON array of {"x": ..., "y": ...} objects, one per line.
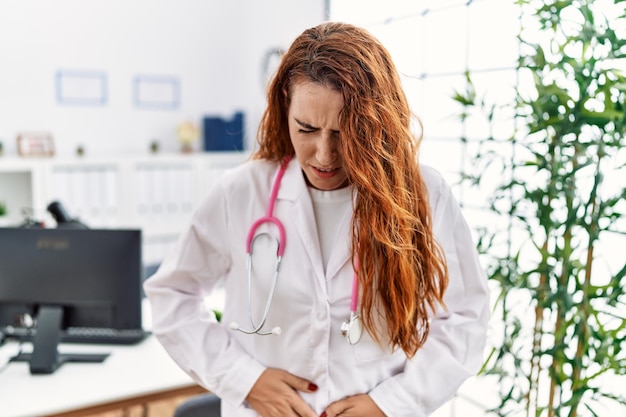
[{"x": 35, "y": 144}]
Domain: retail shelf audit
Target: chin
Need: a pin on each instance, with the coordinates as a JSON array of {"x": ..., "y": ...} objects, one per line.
[{"x": 330, "y": 187}]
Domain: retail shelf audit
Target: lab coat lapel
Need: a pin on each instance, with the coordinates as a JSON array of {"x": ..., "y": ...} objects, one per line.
[{"x": 294, "y": 188}]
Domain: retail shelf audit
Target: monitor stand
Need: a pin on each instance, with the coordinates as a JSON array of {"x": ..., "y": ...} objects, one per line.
[{"x": 46, "y": 358}]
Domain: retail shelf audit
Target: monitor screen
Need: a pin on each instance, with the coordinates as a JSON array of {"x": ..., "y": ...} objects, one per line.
[{"x": 73, "y": 277}]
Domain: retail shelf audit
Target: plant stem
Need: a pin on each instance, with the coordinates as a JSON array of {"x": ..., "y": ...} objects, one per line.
[
  {"x": 535, "y": 366},
  {"x": 592, "y": 235}
]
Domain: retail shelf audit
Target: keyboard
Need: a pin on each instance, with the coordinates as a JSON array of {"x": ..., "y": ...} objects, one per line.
[{"x": 85, "y": 335}]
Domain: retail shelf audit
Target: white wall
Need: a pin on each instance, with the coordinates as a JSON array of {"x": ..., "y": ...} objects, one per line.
[{"x": 213, "y": 48}]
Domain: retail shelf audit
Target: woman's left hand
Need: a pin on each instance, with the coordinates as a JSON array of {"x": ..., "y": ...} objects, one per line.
[{"x": 356, "y": 406}]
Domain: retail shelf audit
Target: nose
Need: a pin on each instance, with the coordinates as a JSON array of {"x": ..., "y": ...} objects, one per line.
[{"x": 327, "y": 149}]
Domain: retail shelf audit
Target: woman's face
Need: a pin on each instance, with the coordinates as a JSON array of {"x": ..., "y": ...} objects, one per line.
[{"x": 314, "y": 131}]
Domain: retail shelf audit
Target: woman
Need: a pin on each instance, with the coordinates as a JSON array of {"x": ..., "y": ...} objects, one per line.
[{"x": 356, "y": 208}]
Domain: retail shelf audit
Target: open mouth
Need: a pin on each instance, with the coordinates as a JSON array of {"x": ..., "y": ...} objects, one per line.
[{"x": 325, "y": 172}]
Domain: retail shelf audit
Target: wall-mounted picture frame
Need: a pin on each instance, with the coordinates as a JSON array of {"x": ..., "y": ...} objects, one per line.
[
  {"x": 81, "y": 88},
  {"x": 35, "y": 144},
  {"x": 157, "y": 92}
]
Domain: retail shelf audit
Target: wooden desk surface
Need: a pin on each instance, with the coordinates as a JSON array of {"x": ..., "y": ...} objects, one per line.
[{"x": 142, "y": 371}]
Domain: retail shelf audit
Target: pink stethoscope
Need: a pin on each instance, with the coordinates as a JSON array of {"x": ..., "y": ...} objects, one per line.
[{"x": 351, "y": 329}]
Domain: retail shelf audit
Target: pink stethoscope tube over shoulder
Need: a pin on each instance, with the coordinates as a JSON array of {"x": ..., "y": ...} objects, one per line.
[
  {"x": 352, "y": 328},
  {"x": 269, "y": 217}
]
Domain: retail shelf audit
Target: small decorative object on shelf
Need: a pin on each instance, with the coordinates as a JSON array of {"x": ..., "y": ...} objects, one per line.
[
  {"x": 154, "y": 146},
  {"x": 1, "y": 148},
  {"x": 3, "y": 214},
  {"x": 35, "y": 144},
  {"x": 187, "y": 134},
  {"x": 80, "y": 151}
]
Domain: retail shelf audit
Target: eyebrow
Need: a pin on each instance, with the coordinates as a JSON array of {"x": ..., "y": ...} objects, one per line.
[
  {"x": 305, "y": 125},
  {"x": 308, "y": 126}
]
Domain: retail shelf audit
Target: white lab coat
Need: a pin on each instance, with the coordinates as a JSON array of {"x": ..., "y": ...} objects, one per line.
[{"x": 309, "y": 305}]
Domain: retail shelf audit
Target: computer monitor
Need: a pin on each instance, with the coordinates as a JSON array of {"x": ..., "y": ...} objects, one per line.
[{"x": 69, "y": 278}]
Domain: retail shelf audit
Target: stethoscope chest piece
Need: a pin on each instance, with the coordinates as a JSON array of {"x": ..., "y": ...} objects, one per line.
[{"x": 352, "y": 329}]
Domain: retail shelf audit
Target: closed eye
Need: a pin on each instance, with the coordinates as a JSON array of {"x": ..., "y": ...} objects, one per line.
[{"x": 305, "y": 127}]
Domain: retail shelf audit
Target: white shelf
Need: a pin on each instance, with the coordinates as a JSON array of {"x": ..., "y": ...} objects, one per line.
[{"x": 154, "y": 193}]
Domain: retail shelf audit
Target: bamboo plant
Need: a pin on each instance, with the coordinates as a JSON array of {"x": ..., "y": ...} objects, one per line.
[{"x": 561, "y": 195}]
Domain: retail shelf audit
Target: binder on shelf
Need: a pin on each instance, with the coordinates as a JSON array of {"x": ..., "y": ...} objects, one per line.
[
  {"x": 223, "y": 135},
  {"x": 143, "y": 201},
  {"x": 79, "y": 202},
  {"x": 111, "y": 192}
]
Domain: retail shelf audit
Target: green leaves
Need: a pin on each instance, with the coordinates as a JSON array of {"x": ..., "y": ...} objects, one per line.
[{"x": 562, "y": 308}]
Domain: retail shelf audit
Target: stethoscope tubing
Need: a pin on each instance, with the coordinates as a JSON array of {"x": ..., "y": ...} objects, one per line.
[
  {"x": 280, "y": 251},
  {"x": 355, "y": 288},
  {"x": 257, "y": 328},
  {"x": 351, "y": 329},
  {"x": 269, "y": 216}
]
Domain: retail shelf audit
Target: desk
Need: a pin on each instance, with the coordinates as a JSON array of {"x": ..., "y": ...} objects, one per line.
[{"x": 130, "y": 375}]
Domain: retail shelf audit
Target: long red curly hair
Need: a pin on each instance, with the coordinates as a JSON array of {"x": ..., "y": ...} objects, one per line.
[{"x": 402, "y": 270}]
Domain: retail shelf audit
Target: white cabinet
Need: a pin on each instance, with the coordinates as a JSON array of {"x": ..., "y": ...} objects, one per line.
[
  {"x": 19, "y": 190},
  {"x": 156, "y": 193}
]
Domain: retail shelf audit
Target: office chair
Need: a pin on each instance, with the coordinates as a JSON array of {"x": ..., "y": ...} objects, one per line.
[{"x": 204, "y": 405}]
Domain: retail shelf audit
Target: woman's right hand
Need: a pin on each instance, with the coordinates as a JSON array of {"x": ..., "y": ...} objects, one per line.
[{"x": 275, "y": 394}]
